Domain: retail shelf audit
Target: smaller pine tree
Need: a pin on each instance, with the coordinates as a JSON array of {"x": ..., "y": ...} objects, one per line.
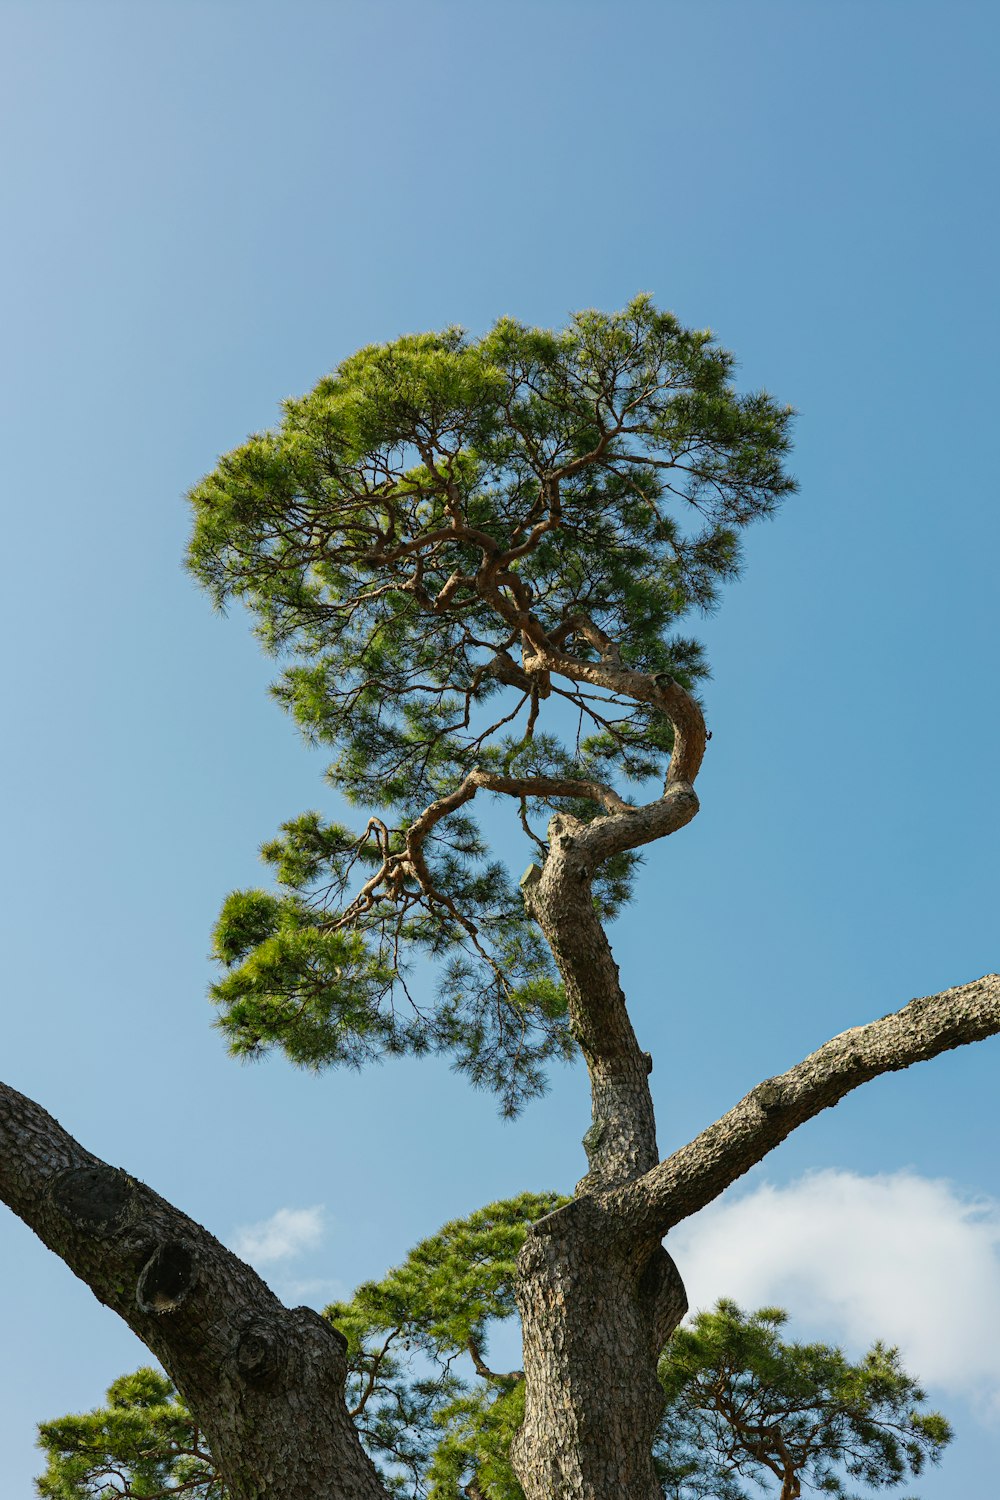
[{"x": 744, "y": 1411}]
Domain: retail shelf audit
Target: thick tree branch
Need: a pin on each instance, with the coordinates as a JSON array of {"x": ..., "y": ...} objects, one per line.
[
  {"x": 260, "y": 1378},
  {"x": 410, "y": 861},
  {"x": 700, "y": 1171},
  {"x": 660, "y": 689},
  {"x": 541, "y": 656},
  {"x": 631, "y": 827}
]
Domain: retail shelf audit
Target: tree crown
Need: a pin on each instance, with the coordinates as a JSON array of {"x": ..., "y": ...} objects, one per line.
[
  {"x": 472, "y": 556},
  {"x": 744, "y": 1407}
]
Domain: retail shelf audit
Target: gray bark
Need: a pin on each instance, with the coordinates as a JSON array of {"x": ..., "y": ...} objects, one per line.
[
  {"x": 266, "y": 1383},
  {"x": 597, "y": 1301},
  {"x": 696, "y": 1174},
  {"x": 596, "y": 1312},
  {"x": 598, "y": 1294}
]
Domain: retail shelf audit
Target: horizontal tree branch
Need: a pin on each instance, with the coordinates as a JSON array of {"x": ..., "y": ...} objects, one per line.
[
  {"x": 628, "y": 827},
  {"x": 410, "y": 861},
  {"x": 696, "y": 1174}
]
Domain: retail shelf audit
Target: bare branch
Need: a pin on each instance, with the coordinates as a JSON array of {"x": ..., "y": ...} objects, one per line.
[
  {"x": 700, "y": 1171},
  {"x": 483, "y": 1370}
]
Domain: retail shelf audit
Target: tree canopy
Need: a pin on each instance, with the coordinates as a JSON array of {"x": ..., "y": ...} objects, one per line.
[
  {"x": 744, "y": 1408},
  {"x": 429, "y": 507}
]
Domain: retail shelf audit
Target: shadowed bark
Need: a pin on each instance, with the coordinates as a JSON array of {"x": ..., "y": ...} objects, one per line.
[
  {"x": 457, "y": 576},
  {"x": 599, "y": 1296},
  {"x": 266, "y": 1382}
]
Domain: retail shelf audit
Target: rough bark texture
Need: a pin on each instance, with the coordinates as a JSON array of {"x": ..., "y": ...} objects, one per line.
[
  {"x": 596, "y": 1312},
  {"x": 696, "y": 1174},
  {"x": 597, "y": 1307},
  {"x": 598, "y": 1294},
  {"x": 599, "y": 1297},
  {"x": 621, "y": 1142},
  {"x": 265, "y": 1382}
]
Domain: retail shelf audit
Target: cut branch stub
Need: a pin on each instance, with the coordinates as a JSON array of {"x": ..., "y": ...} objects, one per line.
[
  {"x": 661, "y": 1286},
  {"x": 96, "y": 1199},
  {"x": 339, "y": 1338},
  {"x": 192, "y": 1303},
  {"x": 769, "y": 1095},
  {"x": 167, "y": 1277}
]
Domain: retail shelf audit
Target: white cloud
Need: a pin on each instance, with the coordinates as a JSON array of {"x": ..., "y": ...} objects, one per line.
[
  {"x": 314, "y": 1291},
  {"x": 899, "y": 1257},
  {"x": 287, "y": 1233}
]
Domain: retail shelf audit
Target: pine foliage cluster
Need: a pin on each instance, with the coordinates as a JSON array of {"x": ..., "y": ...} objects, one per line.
[
  {"x": 142, "y": 1443},
  {"x": 421, "y": 525},
  {"x": 745, "y": 1409}
]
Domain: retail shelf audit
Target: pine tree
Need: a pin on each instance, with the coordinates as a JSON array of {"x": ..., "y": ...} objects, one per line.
[
  {"x": 745, "y": 1409},
  {"x": 475, "y": 559}
]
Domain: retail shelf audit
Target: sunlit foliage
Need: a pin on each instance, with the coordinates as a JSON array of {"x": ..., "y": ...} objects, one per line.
[{"x": 436, "y": 542}]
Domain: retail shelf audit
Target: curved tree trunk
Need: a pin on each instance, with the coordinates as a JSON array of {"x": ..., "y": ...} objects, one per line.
[
  {"x": 597, "y": 1305},
  {"x": 598, "y": 1295}
]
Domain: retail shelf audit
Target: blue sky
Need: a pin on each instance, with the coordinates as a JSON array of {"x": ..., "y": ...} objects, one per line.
[{"x": 206, "y": 206}]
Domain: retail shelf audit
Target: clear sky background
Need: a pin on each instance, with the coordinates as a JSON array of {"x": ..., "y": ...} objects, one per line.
[{"x": 206, "y": 206}]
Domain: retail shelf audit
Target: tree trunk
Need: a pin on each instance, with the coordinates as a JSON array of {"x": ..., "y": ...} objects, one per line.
[
  {"x": 596, "y": 1314},
  {"x": 596, "y": 1306},
  {"x": 278, "y": 1427},
  {"x": 598, "y": 1294}
]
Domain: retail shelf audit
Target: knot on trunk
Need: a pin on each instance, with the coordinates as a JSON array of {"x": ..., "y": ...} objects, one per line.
[
  {"x": 95, "y": 1199},
  {"x": 261, "y": 1353},
  {"x": 769, "y": 1095},
  {"x": 166, "y": 1279},
  {"x": 592, "y": 1139}
]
